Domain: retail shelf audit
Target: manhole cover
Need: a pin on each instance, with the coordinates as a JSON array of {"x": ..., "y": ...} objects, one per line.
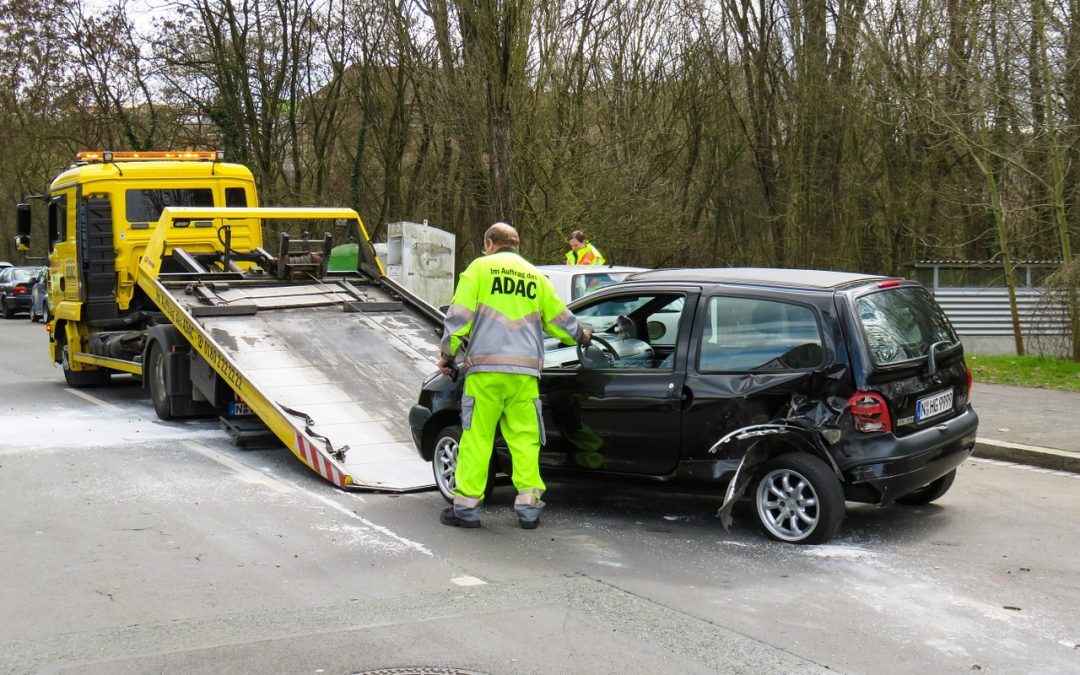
[{"x": 420, "y": 670}]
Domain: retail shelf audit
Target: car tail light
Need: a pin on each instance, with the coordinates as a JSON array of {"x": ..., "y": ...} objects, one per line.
[
  {"x": 20, "y": 290},
  {"x": 971, "y": 384},
  {"x": 869, "y": 412}
]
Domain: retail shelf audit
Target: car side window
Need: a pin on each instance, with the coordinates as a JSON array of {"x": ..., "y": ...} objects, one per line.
[
  {"x": 638, "y": 331},
  {"x": 753, "y": 334}
]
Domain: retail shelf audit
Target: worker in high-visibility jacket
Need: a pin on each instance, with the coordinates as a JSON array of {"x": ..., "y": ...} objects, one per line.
[
  {"x": 504, "y": 306},
  {"x": 582, "y": 252}
]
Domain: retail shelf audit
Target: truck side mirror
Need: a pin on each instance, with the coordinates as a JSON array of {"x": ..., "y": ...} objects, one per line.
[{"x": 22, "y": 227}]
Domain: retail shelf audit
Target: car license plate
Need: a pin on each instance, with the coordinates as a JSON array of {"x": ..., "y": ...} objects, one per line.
[
  {"x": 237, "y": 409},
  {"x": 935, "y": 405}
]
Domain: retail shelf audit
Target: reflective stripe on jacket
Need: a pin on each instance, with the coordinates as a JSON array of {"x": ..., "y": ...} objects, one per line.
[
  {"x": 504, "y": 305},
  {"x": 586, "y": 255}
]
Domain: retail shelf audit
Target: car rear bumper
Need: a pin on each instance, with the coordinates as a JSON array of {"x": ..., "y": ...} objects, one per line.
[
  {"x": 19, "y": 302},
  {"x": 912, "y": 461}
]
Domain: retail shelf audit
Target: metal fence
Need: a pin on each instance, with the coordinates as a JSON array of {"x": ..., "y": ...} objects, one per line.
[{"x": 985, "y": 311}]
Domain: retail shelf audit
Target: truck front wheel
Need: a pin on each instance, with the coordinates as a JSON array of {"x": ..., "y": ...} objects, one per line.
[
  {"x": 78, "y": 379},
  {"x": 157, "y": 380}
]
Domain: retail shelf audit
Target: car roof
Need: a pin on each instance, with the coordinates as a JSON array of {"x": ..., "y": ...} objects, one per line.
[
  {"x": 761, "y": 276},
  {"x": 590, "y": 269}
]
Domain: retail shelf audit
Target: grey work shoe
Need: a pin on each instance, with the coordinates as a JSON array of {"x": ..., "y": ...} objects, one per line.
[
  {"x": 454, "y": 518},
  {"x": 528, "y": 516}
]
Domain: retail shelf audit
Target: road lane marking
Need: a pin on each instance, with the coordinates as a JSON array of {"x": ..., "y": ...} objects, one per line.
[
  {"x": 468, "y": 581},
  {"x": 416, "y": 546},
  {"x": 93, "y": 399},
  {"x": 246, "y": 473}
]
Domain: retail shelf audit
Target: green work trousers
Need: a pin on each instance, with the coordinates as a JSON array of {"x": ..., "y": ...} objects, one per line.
[{"x": 512, "y": 403}]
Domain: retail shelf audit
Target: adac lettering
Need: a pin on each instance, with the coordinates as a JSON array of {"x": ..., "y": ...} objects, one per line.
[{"x": 509, "y": 286}]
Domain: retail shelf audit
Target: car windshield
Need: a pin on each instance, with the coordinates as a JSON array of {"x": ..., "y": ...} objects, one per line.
[
  {"x": 901, "y": 323},
  {"x": 583, "y": 284},
  {"x": 23, "y": 274}
]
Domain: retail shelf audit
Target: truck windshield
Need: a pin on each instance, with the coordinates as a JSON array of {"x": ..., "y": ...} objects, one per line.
[{"x": 146, "y": 205}]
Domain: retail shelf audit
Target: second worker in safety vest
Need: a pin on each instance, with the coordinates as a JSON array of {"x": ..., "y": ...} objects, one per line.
[{"x": 504, "y": 306}]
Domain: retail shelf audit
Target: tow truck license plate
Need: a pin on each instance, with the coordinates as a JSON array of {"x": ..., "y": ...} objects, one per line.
[
  {"x": 935, "y": 405},
  {"x": 238, "y": 409}
]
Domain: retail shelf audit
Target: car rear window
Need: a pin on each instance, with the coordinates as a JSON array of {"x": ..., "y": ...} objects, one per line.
[{"x": 901, "y": 323}]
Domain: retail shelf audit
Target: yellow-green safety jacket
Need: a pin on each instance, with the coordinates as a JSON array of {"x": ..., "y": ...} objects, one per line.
[
  {"x": 505, "y": 305},
  {"x": 586, "y": 255}
]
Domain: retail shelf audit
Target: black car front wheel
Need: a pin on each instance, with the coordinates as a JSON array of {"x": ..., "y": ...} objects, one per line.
[
  {"x": 444, "y": 463},
  {"x": 798, "y": 499}
]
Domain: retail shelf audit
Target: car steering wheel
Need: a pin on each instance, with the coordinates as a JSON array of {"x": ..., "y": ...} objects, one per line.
[{"x": 605, "y": 349}]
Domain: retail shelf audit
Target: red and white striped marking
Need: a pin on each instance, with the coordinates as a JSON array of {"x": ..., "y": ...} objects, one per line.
[{"x": 314, "y": 458}]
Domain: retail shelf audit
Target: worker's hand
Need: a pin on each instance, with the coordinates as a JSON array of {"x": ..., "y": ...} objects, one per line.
[
  {"x": 586, "y": 337},
  {"x": 448, "y": 367}
]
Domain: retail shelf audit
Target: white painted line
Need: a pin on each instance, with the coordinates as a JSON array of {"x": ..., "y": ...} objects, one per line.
[
  {"x": 468, "y": 581},
  {"x": 93, "y": 399},
  {"x": 246, "y": 473},
  {"x": 416, "y": 546}
]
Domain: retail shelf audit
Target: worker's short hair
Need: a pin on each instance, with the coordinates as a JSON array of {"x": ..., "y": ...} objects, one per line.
[
  {"x": 578, "y": 235},
  {"x": 502, "y": 235}
]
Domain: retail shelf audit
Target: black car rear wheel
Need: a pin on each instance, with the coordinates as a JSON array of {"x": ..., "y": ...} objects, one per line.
[
  {"x": 7, "y": 310},
  {"x": 444, "y": 463},
  {"x": 798, "y": 499},
  {"x": 930, "y": 491}
]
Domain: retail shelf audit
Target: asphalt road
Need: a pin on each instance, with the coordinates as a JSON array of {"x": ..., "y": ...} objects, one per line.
[{"x": 129, "y": 545}]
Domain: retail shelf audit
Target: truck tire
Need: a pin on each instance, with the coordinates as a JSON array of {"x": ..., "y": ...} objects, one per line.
[
  {"x": 444, "y": 463},
  {"x": 78, "y": 379},
  {"x": 156, "y": 374}
]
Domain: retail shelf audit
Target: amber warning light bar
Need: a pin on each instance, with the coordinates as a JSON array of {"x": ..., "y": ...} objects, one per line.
[{"x": 110, "y": 156}]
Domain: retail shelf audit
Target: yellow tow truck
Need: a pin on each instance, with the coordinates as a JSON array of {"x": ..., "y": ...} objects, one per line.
[{"x": 158, "y": 269}]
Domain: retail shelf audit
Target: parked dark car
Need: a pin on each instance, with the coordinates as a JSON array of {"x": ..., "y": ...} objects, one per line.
[
  {"x": 39, "y": 297},
  {"x": 799, "y": 389},
  {"x": 15, "y": 283}
]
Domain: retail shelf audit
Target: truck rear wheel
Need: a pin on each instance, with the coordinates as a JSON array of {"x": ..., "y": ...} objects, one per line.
[
  {"x": 157, "y": 375},
  {"x": 82, "y": 378}
]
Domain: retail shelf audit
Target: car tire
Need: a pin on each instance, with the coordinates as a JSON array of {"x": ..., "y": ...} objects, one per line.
[
  {"x": 444, "y": 463},
  {"x": 45, "y": 318},
  {"x": 8, "y": 312},
  {"x": 79, "y": 379},
  {"x": 929, "y": 492},
  {"x": 33, "y": 317},
  {"x": 157, "y": 381},
  {"x": 798, "y": 499}
]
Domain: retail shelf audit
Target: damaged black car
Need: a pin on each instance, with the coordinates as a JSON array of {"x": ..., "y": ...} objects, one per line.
[{"x": 797, "y": 389}]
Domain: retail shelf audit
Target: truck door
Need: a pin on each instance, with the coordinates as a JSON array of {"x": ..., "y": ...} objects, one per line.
[{"x": 620, "y": 411}]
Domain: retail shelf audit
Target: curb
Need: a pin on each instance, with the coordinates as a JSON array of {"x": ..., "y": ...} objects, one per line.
[{"x": 1047, "y": 458}]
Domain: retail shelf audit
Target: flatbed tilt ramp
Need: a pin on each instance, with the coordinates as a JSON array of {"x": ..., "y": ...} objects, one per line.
[{"x": 330, "y": 364}]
